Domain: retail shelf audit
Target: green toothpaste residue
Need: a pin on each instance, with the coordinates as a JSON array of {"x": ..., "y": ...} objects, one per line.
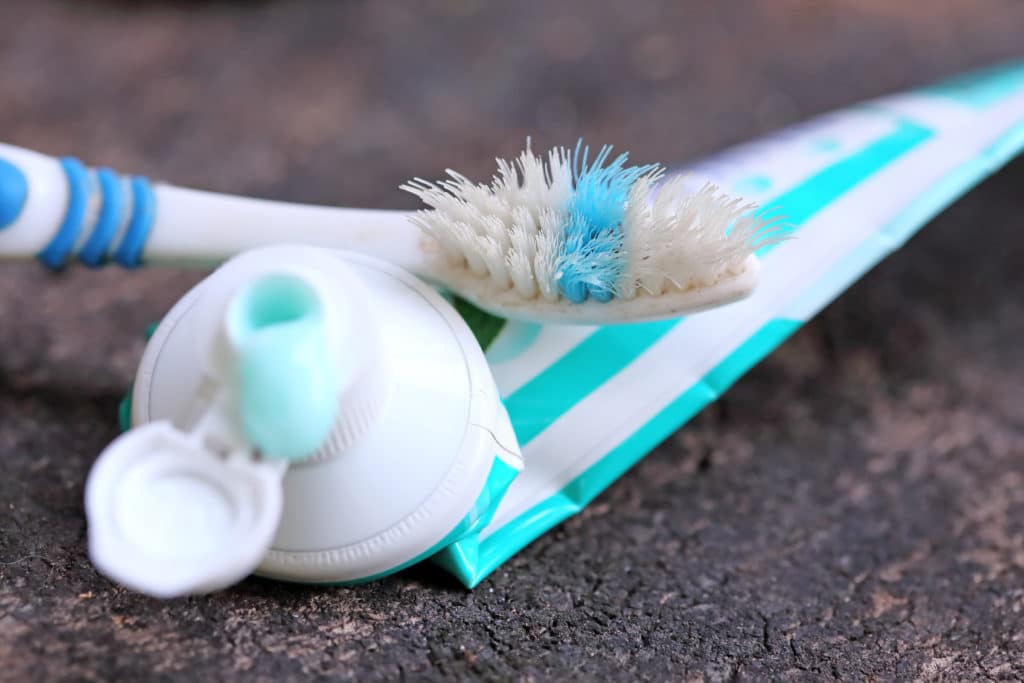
[{"x": 485, "y": 326}]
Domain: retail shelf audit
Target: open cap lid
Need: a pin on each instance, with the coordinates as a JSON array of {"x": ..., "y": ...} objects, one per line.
[{"x": 168, "y": 517}]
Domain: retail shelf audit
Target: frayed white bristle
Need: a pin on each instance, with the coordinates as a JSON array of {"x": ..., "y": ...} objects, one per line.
[
  {"x": 676, "y": 238},
  {"x": 513, "y": 231},
  {"x": 508, "y": 230}
]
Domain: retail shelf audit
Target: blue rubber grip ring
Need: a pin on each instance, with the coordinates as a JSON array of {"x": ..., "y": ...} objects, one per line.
[
  {"x": 56, "y": 253},
  {"x": 95, "y": 251},
  {"x": 129, "y": 252}
]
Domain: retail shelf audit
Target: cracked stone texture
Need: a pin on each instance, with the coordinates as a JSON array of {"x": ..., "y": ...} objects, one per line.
[{"x": 854, "y": 508}]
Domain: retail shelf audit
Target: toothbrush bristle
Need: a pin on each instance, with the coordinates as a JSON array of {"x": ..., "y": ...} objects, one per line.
[{"x": 563, "y": 226}]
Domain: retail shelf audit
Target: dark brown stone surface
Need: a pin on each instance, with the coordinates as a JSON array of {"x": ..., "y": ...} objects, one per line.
[{"x": 854, "y": 508}]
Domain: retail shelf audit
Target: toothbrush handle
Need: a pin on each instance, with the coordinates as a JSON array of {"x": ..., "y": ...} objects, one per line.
[
  {"x": 57, "y": 209},
  {"x": 193, "y": 225}
]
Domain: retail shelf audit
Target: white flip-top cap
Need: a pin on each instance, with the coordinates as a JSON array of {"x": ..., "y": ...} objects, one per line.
[
  {"x": 404, "y": 465},
  {"x": 167, "y": 518}
]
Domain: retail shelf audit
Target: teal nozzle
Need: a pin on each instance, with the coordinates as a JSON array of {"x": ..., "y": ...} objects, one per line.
[{"x": 288, "y": 385}]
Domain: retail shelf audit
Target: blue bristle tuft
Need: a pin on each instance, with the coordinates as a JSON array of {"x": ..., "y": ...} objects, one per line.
[{"x": 591, "y": 263}]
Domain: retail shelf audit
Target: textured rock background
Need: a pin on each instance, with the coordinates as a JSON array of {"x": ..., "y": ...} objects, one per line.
[{"x": 855, "y": 506}]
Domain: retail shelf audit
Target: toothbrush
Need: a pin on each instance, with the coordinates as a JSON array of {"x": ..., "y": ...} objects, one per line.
[{"x": 557, "y": 238}]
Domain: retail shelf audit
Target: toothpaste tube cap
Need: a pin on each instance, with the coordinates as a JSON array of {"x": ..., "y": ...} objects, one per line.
[
  {"x": 168, "y": 517},
  {"x": 404, "y": 469}
]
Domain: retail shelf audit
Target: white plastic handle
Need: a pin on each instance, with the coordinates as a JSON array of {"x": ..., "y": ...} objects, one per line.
[{"x": 186, "y": 226}]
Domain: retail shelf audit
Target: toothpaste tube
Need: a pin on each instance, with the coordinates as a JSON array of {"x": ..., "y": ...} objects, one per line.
[
  {"x": 588, "y": 403},
  {"x": 469, "y": 471}
]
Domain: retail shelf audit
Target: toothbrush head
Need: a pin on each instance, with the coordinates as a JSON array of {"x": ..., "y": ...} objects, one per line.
[{"x": 564, "y": 237}]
